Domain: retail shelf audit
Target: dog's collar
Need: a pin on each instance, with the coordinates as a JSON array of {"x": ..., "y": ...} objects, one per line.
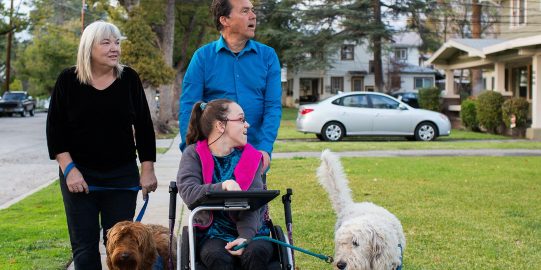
[{"x": 401, "y": 255}]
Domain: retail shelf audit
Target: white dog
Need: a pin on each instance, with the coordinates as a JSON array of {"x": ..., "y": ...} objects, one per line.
[{"x": 367, "y": 236}]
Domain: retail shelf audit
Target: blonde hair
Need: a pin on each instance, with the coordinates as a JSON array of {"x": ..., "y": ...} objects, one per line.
[{"x": 93, "y": 33}]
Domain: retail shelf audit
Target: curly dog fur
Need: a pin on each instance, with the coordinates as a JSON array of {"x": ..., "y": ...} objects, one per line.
[
  {"x": 133, "y": 245},
  {"x": 367, "y": 236}
]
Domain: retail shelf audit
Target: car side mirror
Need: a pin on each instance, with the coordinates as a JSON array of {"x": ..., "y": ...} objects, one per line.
[{"x": 402, "y": 107}]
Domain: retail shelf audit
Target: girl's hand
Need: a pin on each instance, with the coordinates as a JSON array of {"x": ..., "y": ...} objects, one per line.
[
  {"x": 230, "y": 185},
  {"x": 233, "y": 244}
]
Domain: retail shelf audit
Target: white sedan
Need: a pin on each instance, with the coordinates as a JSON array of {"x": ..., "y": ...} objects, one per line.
[{"x": 370, "y": 113}]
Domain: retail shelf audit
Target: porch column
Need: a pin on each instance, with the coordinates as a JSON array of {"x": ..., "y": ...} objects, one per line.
[
  {"x": 535, "y": 131},
  {"x": 449, "y": 83},
  {"x": 296, "y": 91},
  {"x": 499, "y": 77}
]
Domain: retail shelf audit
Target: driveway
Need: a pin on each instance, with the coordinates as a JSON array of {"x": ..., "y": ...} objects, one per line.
[{"x": 24, "y": 159}]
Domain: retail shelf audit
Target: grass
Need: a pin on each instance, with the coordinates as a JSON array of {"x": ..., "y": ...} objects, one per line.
[
  {"x": 457, "y": 212},
  {"x": 34, "y": 233}
]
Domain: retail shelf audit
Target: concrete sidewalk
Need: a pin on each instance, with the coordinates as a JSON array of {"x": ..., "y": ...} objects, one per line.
[{"x": 157, "y": 212}]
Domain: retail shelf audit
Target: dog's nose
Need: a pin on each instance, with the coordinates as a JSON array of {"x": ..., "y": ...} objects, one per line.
[
  {"x": 125, "y": 255},
  {"x": 341, "y": 265}
]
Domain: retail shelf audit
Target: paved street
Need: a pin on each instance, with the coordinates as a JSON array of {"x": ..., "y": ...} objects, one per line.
[{"x": 24, "y": 160}]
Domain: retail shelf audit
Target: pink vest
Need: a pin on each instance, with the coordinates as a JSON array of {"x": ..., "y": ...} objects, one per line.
[{"x": 244, "y": 171}]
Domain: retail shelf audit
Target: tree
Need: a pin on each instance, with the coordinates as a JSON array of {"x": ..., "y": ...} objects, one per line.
[
  {"x": 55, "y": 29},
  {"x": 193, "y": 28}
]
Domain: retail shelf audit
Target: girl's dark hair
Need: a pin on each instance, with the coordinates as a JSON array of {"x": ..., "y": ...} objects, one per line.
[
  {"x": 202, "y": 120},
  {"x": 218, "y": 9}
]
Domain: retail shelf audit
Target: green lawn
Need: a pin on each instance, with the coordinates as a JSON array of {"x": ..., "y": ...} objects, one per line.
[
  {"x": 34, "y": 234},
  {"x": 457, "y": 212}
]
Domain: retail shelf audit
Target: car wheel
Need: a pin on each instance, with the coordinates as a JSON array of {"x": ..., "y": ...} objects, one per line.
[
  {"x": 23, "y": 113},
  {"x": 425, "y": 131},
  {"x": 333, "y": 131},
  {"x": 320, "y": 137}
]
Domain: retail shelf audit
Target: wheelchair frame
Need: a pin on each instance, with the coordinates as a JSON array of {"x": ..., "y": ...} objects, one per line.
[{"x": 235, "y": 205}]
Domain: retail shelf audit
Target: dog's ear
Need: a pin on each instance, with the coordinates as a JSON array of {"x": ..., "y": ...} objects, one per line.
[
  {"x": 377, "y": 245},
  {"x": 145, "y": 242}
]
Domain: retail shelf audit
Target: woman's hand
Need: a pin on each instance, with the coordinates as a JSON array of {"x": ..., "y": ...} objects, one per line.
[
  {"x": 230, "y": 185},
  {"x": 75, "y": 182},
  {"x": 148, "y": 180},
  {"x": 233, "y": 244}
]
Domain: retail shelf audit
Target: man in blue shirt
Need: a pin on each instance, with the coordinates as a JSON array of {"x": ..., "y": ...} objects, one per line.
[{"x": 237, "y": 68}]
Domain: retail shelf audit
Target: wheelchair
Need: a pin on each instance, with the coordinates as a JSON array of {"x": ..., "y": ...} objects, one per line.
[{"x": 231, "y": 201}]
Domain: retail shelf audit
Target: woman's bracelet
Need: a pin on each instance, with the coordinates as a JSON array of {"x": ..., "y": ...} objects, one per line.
[{"x": 68, "y": 169}]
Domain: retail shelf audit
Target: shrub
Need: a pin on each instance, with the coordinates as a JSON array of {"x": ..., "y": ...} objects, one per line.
[
  {"x": 518, "y": 107},
  {"x": 489, "y": 110},
  {"x": 468, "y": 114},
  {"x": 429, "y": 98}
]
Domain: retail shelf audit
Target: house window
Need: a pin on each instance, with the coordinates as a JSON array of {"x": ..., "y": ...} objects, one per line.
[
  {"x": 371, "y": 68},
  {"x": 518, "y": 12},
  {"x": 401, "y": 54},
  {"x": 289, "y": 87},
  {"x": 347, "y": 52},
  {"x": 337, "y": 84},
  {"x": 422, "y": 82}
]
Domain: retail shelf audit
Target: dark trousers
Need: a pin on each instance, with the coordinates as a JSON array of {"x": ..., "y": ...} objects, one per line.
[
  {"x": 256, "y": 256},
  {"x": 86, "y": 212}
]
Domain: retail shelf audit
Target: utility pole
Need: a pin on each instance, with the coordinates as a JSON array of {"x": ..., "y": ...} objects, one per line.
[
  {"x": 476, "y": 73},
  {"x": 83, "y": 17},
  {"x": 8, "y": 51}
]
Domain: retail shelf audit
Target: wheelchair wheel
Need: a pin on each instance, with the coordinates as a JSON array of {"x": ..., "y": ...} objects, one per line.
[
  {"x": 278, "y": 234},
  {"x": 184, "y": 250}
]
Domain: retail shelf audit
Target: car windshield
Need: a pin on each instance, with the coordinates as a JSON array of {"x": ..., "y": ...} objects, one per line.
[{"x": 13, "y": 96}]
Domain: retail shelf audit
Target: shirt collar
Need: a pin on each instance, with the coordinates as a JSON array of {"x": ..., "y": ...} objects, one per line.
[{"x": 250, "y": 46}]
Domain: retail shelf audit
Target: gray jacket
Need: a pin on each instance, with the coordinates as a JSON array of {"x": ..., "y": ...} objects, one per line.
[{"x": 191, "y": 188}]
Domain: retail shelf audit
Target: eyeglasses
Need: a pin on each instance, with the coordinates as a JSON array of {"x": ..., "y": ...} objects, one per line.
[{"x": 242, "y": 120}]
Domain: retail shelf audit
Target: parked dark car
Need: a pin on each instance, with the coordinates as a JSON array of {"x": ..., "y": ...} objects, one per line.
[
  {"x": 18, "y": 102},
  {"x": 410, "y": 97}
]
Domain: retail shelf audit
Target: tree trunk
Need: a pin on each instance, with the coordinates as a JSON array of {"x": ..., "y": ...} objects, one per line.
[
  {"x": 166, "y": 91},
  {"x": 180, "y": 66},
  {"x": 476, "y": 73},
  {"x": 376, "y": 41},
  {"x": 150, "y": 93}
]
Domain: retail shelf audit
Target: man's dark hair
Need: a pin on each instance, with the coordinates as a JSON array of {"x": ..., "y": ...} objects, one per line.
[{"x": 218, "y": 9}]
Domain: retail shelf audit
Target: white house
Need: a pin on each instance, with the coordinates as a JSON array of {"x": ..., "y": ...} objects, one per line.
[
  {"x": 352, "y": 70},
  {"x": 511, "y": 63}
]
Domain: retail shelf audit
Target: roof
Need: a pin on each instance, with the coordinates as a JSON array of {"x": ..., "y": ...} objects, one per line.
[
  {"x": 417, "y": 69},
  {"x": 480, "y": 48}
]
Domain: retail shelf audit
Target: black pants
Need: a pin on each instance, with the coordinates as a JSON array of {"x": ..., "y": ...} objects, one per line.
[
  {"x": 256, "y": 256},
  {"x": 85, "y": 212}
]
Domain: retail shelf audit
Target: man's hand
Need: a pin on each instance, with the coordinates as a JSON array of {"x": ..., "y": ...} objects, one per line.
[
  {"x": 75, "y": 182},
  {"x": 148, "y": 180},
  {"x": 233, "y": 244},
  {"x": 266, "y": 160}
]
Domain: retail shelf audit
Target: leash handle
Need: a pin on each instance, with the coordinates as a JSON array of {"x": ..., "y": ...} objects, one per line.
[
  {"x": 327, "y": 259},
  {"x": 68, "y": 169}
]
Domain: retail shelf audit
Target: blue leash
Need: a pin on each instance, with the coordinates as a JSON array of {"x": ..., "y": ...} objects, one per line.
[
  {"x": 71, "y": 165},
  {"x": 327, "y": 259}
]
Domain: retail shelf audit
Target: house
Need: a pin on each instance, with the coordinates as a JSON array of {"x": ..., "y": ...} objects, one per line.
[
  {"x": 511, "y": 63},
  {"x": 352, "y": 70}
]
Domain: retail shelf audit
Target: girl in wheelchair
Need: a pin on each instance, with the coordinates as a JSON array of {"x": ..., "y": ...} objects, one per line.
[{"x": 219, "y": 158}]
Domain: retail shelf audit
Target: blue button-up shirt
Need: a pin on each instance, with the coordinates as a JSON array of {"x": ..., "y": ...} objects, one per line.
[{"x": 251, "y": 78}]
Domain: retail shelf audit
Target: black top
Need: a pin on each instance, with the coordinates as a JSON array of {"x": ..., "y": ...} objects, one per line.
[{"x": 95, "y": 126}]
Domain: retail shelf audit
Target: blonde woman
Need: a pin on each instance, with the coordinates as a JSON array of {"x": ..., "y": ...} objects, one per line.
[{"x": 98, "y": 121}]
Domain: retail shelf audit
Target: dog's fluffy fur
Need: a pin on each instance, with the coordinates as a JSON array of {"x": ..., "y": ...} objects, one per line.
[
  {"x": 367, "y": 236},
  {"x": 133, "y": 245}
]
